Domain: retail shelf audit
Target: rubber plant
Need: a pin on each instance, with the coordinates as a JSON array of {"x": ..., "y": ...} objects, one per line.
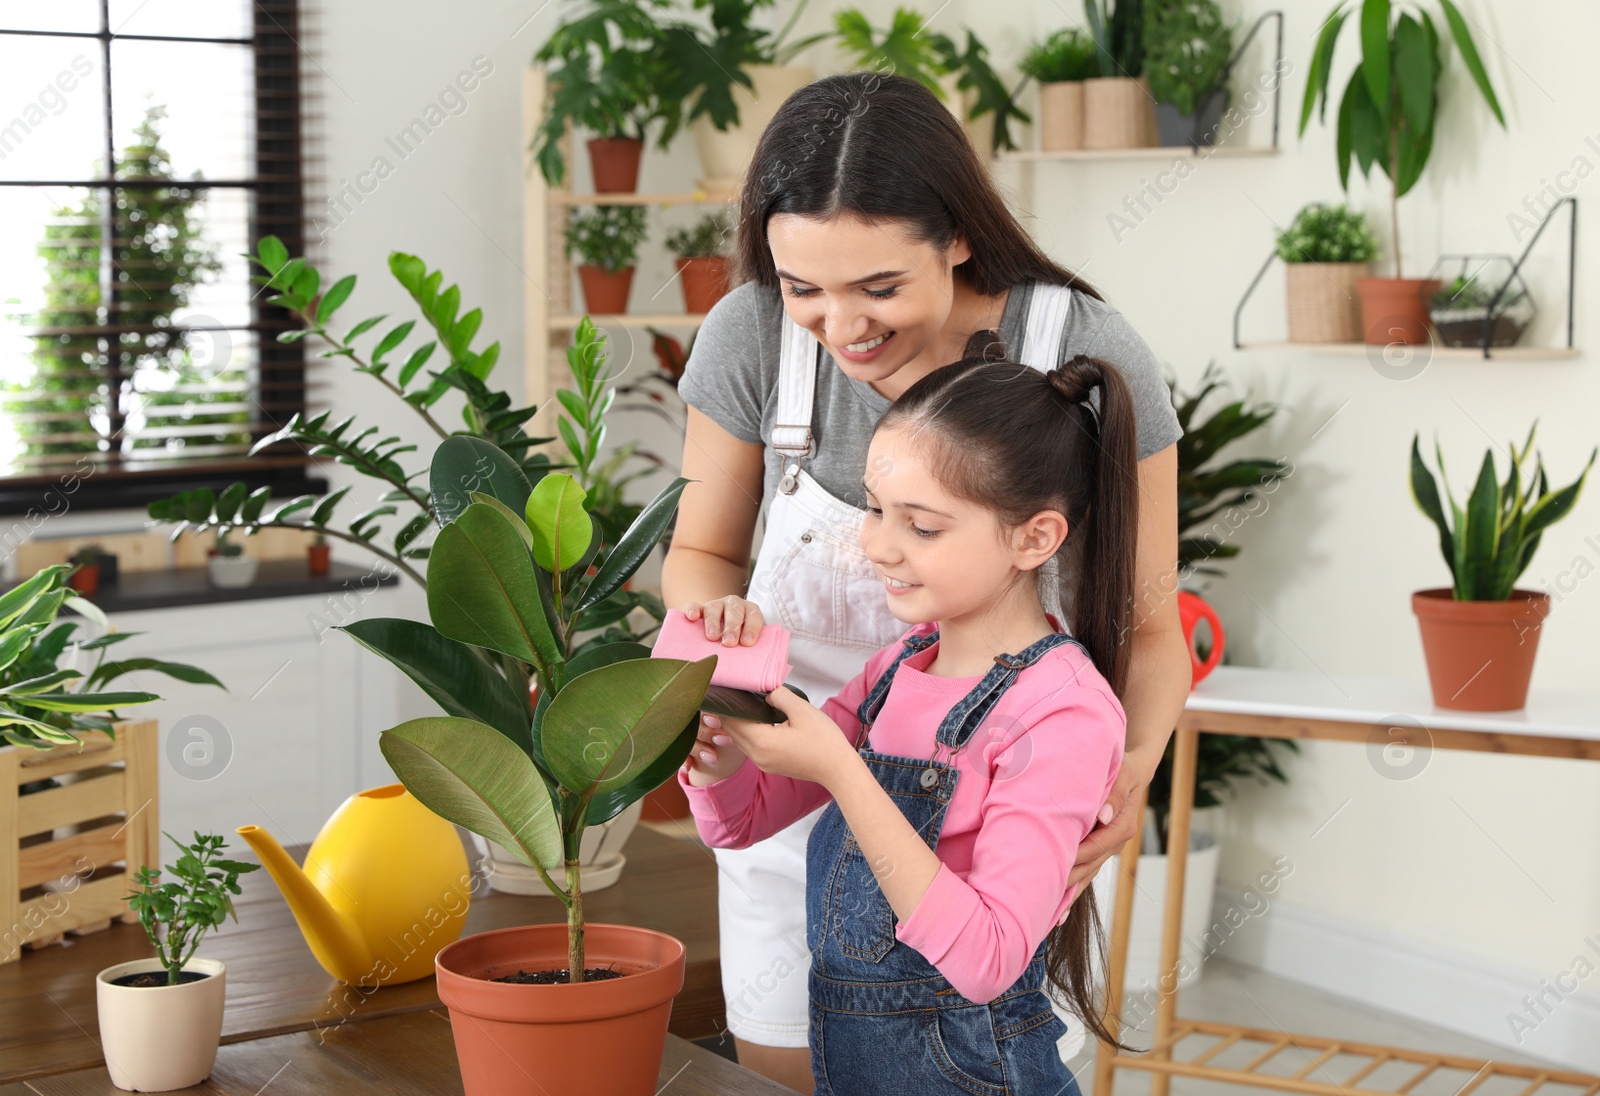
[
  {"x": 513, "y": 573},
  {"x": 1388, "y": 108}
]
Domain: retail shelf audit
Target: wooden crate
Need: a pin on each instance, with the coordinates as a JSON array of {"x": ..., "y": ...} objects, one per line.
[{"x": 68, "y": 855}]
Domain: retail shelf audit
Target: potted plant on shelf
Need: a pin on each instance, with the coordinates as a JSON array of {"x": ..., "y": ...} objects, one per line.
[
  {"x": 318, "y": 555},
  {"x": 1117, "y": 106},
  {"x": 606, "y": 239},
  {"x": 509, "y": 587},
  {"x": 703, "y": 68},
  {"x": 702, "y": 263},
  {"x": 1188, "y": 52},
  {"x": 606, "y": 76},
  {"x": 161, "y": 1018},
  {"x": 85, "y": 576},
  {"x": 229, "y": 567},
  {"x": 1486, "y": 300},
  {"x": 1326, "y": 251},
  {"x": 1386, "y": 117},
  {"x": 1061, "y": 63},
  {"x": 1481, "y": 633},
  {"x": 962, "y": 77}
]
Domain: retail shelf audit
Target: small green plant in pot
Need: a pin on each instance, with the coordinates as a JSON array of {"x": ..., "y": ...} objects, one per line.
[
  {"x": 606, "y": 239},
  {"x": 702, "y": 263},
  {"x": 1061, "y": 63},
  {"x": 1480, "y": 634},
  {"x": 1485, "y": 301},
  {"x": 86, "y": 575},
  {"x": 1118, "y": 111},
  {"x": 509, "y": 593},
  {"x": 229, "y": 567},
  {"x": 161, "y": 1018},
  {"x": 1386, "y": 118},
  {"x": 1188, "y": 53},
  {"x": 1326, "y": 251}
]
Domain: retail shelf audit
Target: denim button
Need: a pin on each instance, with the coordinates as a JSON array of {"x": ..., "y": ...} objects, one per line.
[{"x": 805, "y": 538}]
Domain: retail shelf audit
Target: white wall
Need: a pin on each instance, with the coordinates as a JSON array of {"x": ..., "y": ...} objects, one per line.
[{"x": 1484, "y": 856}]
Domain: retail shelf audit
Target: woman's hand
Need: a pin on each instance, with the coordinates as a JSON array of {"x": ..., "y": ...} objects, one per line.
[
  {"x": 714, "y": 756},
  {"x": 731, "y": 619},
  {"x": 1120, "y": 819},
  {"x": 806, "y": 746}
]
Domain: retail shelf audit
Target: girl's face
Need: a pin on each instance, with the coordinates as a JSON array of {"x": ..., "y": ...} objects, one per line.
[
  {"x": 940, "y": 557},
  {"x": 871, "y": 293}
]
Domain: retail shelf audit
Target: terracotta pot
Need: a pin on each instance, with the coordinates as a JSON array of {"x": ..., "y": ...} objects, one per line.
[
  {"x": 724, "y": 154},
  {"x": 1480, "y": 653},
  {"x": 667, "y": 803},
  {"x": 1061, "y": 116},
  {"x": 602, "y": 1038},
  {"x": 160, "y": 1038},
  {"x": 1118, "y": 112},
  {"x": 86, "y": 579},
  {"x": 704, "y": 282},
  {"x": 317, "y": 558},
  {"x": 1394, "y": 311},
  {"x": 605, "y": 292},
  {"x": 614, "y": 163},
  {"x": 1323, "y": 306}
]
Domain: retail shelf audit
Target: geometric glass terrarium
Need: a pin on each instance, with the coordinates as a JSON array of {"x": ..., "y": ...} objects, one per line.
[{"x": 1481, "y": 301}]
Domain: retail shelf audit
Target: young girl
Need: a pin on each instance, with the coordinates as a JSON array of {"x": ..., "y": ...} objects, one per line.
[{"x": 970, "y": 758}]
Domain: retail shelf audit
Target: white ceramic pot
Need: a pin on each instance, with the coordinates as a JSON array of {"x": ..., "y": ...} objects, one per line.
[
  {"x": 600, "y": 856},
  {"x": 1149, "y": 904},
  {"x": 231, "y": 572},
  {"x": 724, "y": 154},
  {"x": 159, "y": 1038}
]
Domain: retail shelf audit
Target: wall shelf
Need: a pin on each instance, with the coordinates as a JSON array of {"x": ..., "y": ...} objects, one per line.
[
  {"x": 631, "y": 319},
  {"x": 1443, "y": 353},
  {"x": 698, "y": 197},
  {"x": 1160, "y": 152}
]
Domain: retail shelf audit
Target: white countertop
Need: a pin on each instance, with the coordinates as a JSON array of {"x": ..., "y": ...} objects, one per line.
[{"x": 1308, "y": 694}]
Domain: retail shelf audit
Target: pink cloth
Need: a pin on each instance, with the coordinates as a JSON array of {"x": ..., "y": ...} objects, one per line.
[
  {"x": 761, "y": 667},
  {"x": 1031, "y": 780}
]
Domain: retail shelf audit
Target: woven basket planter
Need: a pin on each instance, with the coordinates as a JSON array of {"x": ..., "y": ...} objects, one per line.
[{"x": 1322, "y": 302}]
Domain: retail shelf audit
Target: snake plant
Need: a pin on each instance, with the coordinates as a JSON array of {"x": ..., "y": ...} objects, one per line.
[{"x": 1490, "y": 542}]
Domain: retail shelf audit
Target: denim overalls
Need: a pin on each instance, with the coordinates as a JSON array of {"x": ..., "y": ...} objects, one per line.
[{"x": 883, "y": 1020}]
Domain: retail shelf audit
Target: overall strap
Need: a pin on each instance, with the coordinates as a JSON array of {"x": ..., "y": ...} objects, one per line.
[
  {"x": 1047, "y": 322},
  {"x": 868, "y": 709},
  {"x": 797, "y": 389},
  {"x": 967, "y": 716}
]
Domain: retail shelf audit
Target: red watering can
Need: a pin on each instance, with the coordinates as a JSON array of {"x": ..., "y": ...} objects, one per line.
[{"x": 1192, "y": 609}]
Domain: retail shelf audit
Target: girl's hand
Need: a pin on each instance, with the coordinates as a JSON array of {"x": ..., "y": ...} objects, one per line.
[
  {"x": 731, "y": 619},
  {"x": 806, "y": 746},
  {"x": 715, "y": 756}
]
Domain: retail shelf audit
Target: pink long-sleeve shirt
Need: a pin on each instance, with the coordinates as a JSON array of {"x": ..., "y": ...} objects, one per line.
[{"x": 1032, "y": 779}]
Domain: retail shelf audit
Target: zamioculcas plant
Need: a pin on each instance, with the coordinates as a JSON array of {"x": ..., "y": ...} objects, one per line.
[{"x": 1490, "y": 542}]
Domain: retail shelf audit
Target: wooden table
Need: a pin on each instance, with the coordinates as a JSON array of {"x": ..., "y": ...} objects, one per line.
[
  {"x": 1373, "y": 712},
  {"x": 408, "y": 1054},
  {"x": 48, "y": 1023}
]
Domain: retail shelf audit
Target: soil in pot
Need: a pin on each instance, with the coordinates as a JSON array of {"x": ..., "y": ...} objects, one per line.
[
  {"x": 560, "y": 977},
  {"x": 152, "y": 979}
]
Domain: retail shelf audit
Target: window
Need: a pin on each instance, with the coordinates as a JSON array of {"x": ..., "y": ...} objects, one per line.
[{"x": 138, "y": 358}]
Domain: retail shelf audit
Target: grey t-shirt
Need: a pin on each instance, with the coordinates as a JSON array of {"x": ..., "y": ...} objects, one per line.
[{"x": 732, "y": 377}]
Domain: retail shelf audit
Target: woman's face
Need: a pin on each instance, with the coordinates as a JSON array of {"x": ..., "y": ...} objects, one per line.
[{"x": 871, "y": 293}]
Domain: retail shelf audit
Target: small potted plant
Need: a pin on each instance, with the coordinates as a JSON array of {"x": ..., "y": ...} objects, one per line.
[
  {"x": 317, "y": 553},
  {"x": 1118, "y": 109},
  {"x": 229, "y": 567},
  {"x": 606, "y": 239},
  {"x": 1480, "y": 634},
  {"x": 606, "y": 76},
  {"x": 701, "y": 251},
  {"x": 1188, "y": 51},
  {"x": 1326, "y": 251},
  {"x": 1386, "y": 117},
  {"x": 1061, "y": 63},
  {"x": 86, "y": 577},
  {"x": 161, "y": 1018},
  {"x": 1485, "y": 299}
]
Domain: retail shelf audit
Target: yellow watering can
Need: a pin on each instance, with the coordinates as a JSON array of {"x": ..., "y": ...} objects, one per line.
[{"x": 385, "y": 886}]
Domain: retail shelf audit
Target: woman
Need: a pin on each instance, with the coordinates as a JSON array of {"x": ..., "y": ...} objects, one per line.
[{"x": 873, "y": 245}]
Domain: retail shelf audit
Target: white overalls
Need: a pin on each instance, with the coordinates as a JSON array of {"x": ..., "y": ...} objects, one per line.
[{"x": 813, "y": 578}]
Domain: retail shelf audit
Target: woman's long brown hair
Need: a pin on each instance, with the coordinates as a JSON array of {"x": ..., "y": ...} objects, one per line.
[{"x": 1017, "y": 441}]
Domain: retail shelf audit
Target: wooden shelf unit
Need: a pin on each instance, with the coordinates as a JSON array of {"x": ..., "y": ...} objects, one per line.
[
  {"x": 1446, "y": 353},
  {"x": 549, "y": 311}
]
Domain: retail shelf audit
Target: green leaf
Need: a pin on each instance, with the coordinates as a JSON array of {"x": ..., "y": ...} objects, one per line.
[
  {"x": 228, "y": 502},
  {"x": 470, "y": 774},
  {"x": 88, "y": 702},
  {"x": 482, "y": 589},
  {"x": 1322, "y": 66},
  {"x": 463, "y": 464},
  {"x": 463, "y": 331},
  {"x": 561, "y": 527},
  {"x": 363, "y": 327},
  {"x": 1426, "y": 493},
  {"x": 324, "y": 510},
  {"x": 41, "y": 684},
  {"x": 609, "y": 725},
  {"x": 456, "y": 677},
  {"x": 336, "y": 295},
  {"x": 272, "y": 254},
  {"x": 1375, "y": 50},
  {"x": 109, "y": 671},
  {"x": 418, "y": 358},
  {"x": 518, "y": 522},
  {"x": 15, "y": 601},
  {"x": 635, "y": 545},
  {"x": 1416, "y": 71},
  {"x": 250, "y": 513},
  {"x": 394, "y": 338},
  {"x": 607, "y": 803},
  {"x": 1469, "y": 54}
]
